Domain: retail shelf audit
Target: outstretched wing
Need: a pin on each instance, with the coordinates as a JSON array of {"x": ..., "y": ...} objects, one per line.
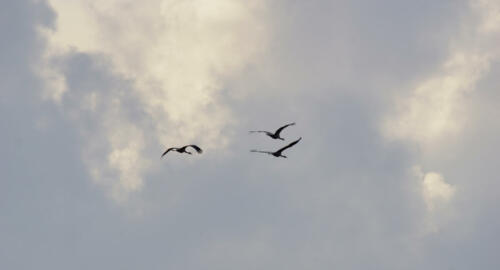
[
  {"x": 258, "y": 151},
  {"x": 168, "y": 150},
  {"x": 278, "y": 131},
  {"x": 288, "y": 146},
  {"x": 259, "y": 131},
  {"x": 198, "y": 149}
]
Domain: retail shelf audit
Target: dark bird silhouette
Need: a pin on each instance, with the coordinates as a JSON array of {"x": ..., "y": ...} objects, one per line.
[
  {"x": 183, "y": 149},
  {"x": 278, "y": 153},
  {"x": 276, "y": 134}
]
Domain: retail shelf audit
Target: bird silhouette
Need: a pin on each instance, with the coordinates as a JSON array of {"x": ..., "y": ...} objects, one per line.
[
  {"x": 279, "y": 151},
  {"x": 276, "y": 134},
  {"x": 183, "y": 149}
]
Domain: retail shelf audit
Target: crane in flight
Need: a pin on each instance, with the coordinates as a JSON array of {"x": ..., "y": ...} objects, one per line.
[
  {"x": 276, "y": 134},
  {"x": 279, "y": 151},
  {"x": 183, "y": 149}
]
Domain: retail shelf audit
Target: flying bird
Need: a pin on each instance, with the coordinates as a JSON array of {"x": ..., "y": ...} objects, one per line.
[
  {"x": 276, "y": 134},
  {"x": 183, "y": 149},
  {"x": 278, "y": 153}
]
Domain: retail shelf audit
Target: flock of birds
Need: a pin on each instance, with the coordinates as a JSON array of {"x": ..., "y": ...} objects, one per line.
[{"x": 274, "y": 135}]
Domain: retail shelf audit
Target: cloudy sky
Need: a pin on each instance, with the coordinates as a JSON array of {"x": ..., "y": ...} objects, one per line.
[{"x": 397, "y": 103}]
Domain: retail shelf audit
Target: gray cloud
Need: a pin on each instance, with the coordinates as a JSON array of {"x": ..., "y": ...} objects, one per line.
[{"x": 347, "y": 197}]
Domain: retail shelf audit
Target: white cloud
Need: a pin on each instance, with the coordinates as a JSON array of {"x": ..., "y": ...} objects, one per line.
[
  {"x": 438, "y": 197},
  {"x": 173, "y": 54},
  {"x": 491, "y": 11},
  {"x": 435, "y": 112},
  {"x": 436, "y": 109},
  {"x": 436, "y": 191}
]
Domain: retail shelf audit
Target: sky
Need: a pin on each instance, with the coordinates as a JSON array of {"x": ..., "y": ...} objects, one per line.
[{"x": 396, "y": 103}]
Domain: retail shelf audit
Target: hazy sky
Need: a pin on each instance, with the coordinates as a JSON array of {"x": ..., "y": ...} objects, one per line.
[{"x": 397, "y": 103}]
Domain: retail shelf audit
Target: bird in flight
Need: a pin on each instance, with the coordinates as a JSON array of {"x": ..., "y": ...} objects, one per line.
[
  {"x": 279, "y": 151},
  {"x": 276, "y": 134},
  {"x": 183, "y": 149}
]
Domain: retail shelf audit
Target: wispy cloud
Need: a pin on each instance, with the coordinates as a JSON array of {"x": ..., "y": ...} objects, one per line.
[
  {"x": 438, "y": 197},
  {"x": 436, "y": 108},
  {"x": 171, "y": 58},
  {"x": 434, "y": 115}
]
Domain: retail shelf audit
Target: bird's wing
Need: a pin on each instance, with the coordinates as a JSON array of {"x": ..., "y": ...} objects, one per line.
[
  {"x": 258, "y": 151},
  {"x": 198, "y": 149},
  {"x": 288, "y": 146},
  {"x": 278, "y": 131},
  {"x": 261, "y": 131},
  {"x": 169, "y": 149}
]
